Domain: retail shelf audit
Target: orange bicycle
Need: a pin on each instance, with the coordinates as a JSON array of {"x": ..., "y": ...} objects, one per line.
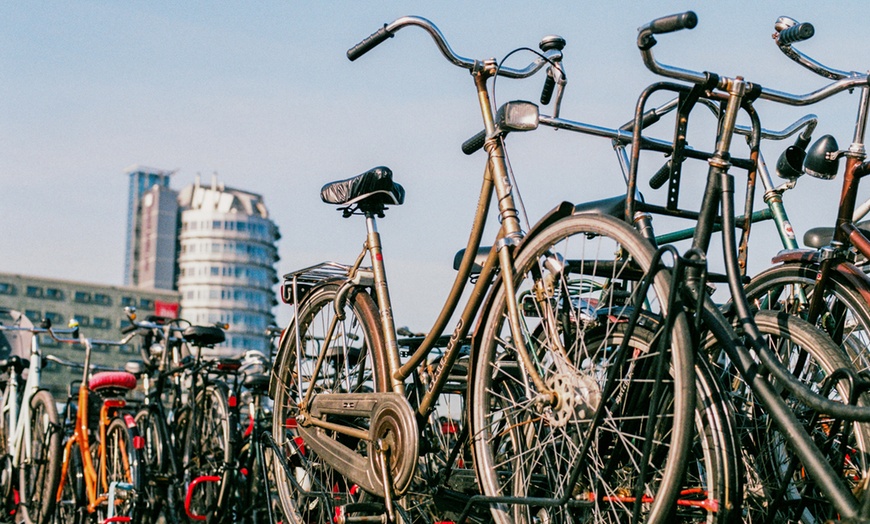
[{"x": 100, "y": 474}]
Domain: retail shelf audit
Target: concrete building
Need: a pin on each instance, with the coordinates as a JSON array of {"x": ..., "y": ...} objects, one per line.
[
  {"x": 152, "y": 221},
  {"x": 226, "y": 263},
  {"x": 99, "y": 310}
]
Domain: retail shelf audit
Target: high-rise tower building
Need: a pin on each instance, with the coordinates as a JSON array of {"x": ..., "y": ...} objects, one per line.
[
  {"x": 152, "y": 216},
  {"x": 226, "y": 262}
]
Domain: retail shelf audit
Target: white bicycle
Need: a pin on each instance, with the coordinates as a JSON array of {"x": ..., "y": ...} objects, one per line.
[{"x": 30, "y": 432}]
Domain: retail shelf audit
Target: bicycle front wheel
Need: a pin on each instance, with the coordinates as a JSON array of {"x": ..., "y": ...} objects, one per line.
[
  {"x": 209, "y": 456},
  {"x": 351, "y": 362},
  {"x": 619, "y": 422},
  {"x": 40, "y": 472}
]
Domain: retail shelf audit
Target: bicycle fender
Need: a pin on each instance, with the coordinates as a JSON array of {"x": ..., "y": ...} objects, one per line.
[{"x": 810, "y": 257}]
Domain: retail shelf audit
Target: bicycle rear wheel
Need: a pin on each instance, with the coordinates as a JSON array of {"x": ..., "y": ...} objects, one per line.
[
  {"x": 39, "y": 474},
  {"x": 577, "y": 281},
  {"x": 309, "y": 488},
  {"x": 123, "y": 472},
  {"x": 845, "y": 315},
  {"x": 777, "y": 487}
]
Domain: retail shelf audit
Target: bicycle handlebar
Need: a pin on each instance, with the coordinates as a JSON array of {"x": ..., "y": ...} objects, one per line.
[
  {"x": 843, "y": 82},
  {"x": 785, "y": 36},
  {"x": 388, "y": 30}
]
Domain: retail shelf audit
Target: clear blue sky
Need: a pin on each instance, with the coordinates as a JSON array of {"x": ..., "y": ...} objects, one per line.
[{"x": 262, "y": 94}]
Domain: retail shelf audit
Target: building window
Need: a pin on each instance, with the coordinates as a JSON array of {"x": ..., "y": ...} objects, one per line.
[
  {"x": 102, "y": 299},
  {"x": 56, "y": 319},
  {"x": 54, "y": 294},
  {"x": 7, "y": 288},
  {"x": 33, "y": 292},
  {"x": 83, "y": 320},
  {"x": 83, "y": 297},
  {"x": 146, "y": 303},
  {"x": 33, "y": 315},
  {"x": 128, "y": 301},
  {"x": 101, "y": 323}
]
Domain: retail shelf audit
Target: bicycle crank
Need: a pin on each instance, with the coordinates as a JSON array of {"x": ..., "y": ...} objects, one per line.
[{"x": 332, "y": 429}]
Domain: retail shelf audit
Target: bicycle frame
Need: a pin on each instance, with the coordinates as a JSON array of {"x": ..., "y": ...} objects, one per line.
[
  {"x": 496, "y": 182},
  {"x": 94, "y": 479},
  {"x": 737, "y": 94},
  {"x": 18, "y": 415}
]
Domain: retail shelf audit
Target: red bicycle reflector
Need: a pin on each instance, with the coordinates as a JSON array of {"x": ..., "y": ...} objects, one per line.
[
  {"x": 229, "y": 365},
  {"x": 138, "y": 442},
  {"x": 290, "y": 423},
  {"x": 114, "y": 403},
  {"x": 232, "y": 401}
]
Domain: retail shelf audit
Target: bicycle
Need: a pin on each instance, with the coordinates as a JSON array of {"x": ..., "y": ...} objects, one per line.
[
  {"x": 100, "y": 475},
  {"x": 819, "y": 457},
  {"x": 188, "y": 447},
  {"x": 256, "y": 498},
  {"x": 824, "y": 285},
  {"x": 814, "y": 358},
  {"x": 30, "y": 436},
  {"x": 341, "y": 410}
]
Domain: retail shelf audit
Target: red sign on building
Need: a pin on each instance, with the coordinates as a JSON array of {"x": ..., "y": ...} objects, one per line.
[{"x": 166, "y": 309}]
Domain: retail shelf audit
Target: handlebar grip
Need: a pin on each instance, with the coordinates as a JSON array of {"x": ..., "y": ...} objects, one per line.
[
  {"x": 369, "y": 43},
  {"x": 796, "y": 33},
  {"x": 671, "y": 23},
  {"x": 474, "y": 143},
  {"x": 549, "y": 86},
  {"x": 665, "y": 24},
  {"x": 661, "y": 176}
]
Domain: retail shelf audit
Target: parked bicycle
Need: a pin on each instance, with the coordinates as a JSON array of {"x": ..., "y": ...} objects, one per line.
[
  {"x": 30, "y": 432},
  {"x": 823, "y": 283},
  {"x": 101, "y": 475},
  {"x": 188, "y": 421},
  {"x": 542, "y": 422}
]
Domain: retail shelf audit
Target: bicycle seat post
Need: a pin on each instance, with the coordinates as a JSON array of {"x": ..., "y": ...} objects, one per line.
[{"x": 382, "y": 291}]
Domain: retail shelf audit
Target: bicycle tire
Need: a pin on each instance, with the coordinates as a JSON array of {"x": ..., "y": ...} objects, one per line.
[
  {"x": 712, "y": 487},
  {"x": 38, "y": 479},
  {"x": 591, "y": 291},
  {"x": 846, "y": 315},
  {"x": 311, "y": 490},
  {"x": 71, "y": 507},
  {"x": 123, "y": 470},
  {"x": 158, "y": 480},
  {"x": 209, "y": 453},
  {"x": 811, "y": 356}
]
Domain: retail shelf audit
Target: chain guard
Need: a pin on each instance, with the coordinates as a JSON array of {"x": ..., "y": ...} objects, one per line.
[{"x": 390, "y": 417}]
